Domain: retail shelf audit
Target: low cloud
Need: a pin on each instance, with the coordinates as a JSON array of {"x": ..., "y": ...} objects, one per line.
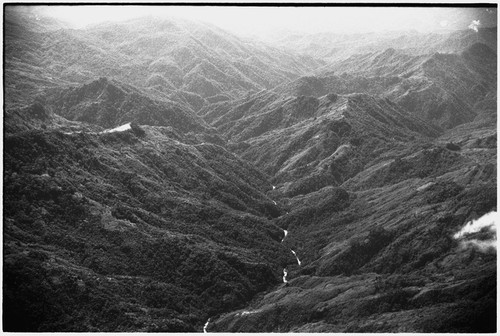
[
  {"x": 487, "y": 222},
  {"x": 481, "y": 245},
  {"x": 474, "y": 25}
]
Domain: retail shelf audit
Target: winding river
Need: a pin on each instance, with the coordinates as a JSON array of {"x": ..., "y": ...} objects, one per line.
[
  {"x": 285, "y": 272},
  {"x": 205, "y": 326},
  {"x": 286, "y": 233},
  {"x": 295, "y": 254}
]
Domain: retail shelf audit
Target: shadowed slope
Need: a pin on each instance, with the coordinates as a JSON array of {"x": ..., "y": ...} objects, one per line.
[{"x": 116, "y": 225}]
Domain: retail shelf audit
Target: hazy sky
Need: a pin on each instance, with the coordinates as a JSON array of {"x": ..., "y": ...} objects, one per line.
[{"x": 248, "y": 20}]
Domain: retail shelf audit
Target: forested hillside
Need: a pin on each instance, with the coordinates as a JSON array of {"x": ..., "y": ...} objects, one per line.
[{"x": 167, "y": 175}]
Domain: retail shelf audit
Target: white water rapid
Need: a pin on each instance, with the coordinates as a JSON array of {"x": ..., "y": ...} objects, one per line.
[
  {"x": 286, "y": 233},
  {"x": 206, "y": 326},
  {"x": 295, "y": 254}
]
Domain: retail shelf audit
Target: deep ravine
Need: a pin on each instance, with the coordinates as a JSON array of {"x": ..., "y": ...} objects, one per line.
[{"x": 285, "y": 273}]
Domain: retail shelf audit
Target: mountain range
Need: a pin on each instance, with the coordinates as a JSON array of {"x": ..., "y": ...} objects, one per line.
[{"x": 165, "y": 175}]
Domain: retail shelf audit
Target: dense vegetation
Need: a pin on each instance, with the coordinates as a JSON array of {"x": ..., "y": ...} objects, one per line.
[
  {"x": 372, "y": 157},
  {"x": 97, "y": 212}
]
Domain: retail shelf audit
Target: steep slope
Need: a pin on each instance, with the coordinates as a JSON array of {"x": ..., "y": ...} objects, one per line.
[
  {"x": 374, "y": 199},
  {"x": 38, "y": 116},
  {"x": 307, "y": 143},
  {"x": 382, "y": 252},
  {"x": 109, "y": 103},
  {"x": 459, "y": 83},
  {"x": 24, "y": 71},
  {"x": 135, "y": 230},
  {"x": 164, "y": 175}
]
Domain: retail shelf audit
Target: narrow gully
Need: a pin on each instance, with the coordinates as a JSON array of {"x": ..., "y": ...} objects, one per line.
[{"x": 285, "y": 271}]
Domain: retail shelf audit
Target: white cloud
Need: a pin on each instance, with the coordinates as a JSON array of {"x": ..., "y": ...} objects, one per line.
[
  {"x": 474, "y": 25},
  {"x": 489, "y": 222},
  {"x": 481, "y": 245}
]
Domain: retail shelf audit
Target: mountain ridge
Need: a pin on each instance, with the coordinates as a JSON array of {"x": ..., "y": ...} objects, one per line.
[{"x": 164, "y": 175}]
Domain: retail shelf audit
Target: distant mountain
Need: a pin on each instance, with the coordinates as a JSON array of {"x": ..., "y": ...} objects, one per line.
[
  {"x": 446, "y": 89},
  {"x": 334, "y": 47},
  {"x": 170, "y": 58},
  {"x": 28, "y": 18}
]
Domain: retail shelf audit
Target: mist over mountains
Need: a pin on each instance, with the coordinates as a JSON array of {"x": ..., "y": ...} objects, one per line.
[{"x": 167, "y": 175}]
